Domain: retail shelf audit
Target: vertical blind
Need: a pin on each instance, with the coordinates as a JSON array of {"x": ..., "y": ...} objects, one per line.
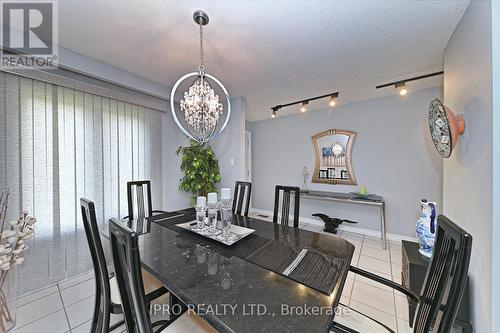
[{"x": 58, "y": 144}]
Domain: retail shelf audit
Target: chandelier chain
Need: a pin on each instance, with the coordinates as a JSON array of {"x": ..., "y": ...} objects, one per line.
[
  {"x": 201, "y": 105},
  {"x": 202, "y": 64}
]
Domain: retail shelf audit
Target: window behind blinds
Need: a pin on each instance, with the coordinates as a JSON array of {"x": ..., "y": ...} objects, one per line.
[{"x": 58, "y": 144}]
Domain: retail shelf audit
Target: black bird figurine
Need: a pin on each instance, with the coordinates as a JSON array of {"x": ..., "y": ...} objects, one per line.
[{"x": 331, "y": 223}]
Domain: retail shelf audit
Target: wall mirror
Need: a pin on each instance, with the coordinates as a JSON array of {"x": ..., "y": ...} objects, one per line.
[{"x": 333, "y": 165}]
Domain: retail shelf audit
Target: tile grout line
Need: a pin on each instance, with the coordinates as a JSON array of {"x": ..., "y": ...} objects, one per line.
[
  {"x": 355, "y": 275},
  {"x": 357, "y": 263},
  {"x": 79, "y": 325},
  {"x": 77, "y": 283},
  {"x": 64, "y": 307},
  {"x": 33, "y": 321},
  {"x": 48, "y": 314},
  {"x": 36, "y": 299},
  {"x": 393, "y": 291}
]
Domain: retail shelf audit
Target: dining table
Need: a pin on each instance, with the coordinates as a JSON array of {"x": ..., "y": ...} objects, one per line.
[{"x": 248, "y": 286}]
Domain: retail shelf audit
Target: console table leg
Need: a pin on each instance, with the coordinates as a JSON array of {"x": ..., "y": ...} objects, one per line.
[{"x": 383, "y": 226}]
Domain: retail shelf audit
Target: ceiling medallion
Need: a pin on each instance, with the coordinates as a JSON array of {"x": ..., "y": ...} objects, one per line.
[{"x": 203, "y": 110}]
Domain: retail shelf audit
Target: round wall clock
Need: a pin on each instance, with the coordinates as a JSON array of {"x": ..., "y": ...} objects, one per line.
[{"x": 445, "y": 127}]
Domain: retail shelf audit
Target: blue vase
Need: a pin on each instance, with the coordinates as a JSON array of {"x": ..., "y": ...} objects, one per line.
[{"x": 426, "y": 227}]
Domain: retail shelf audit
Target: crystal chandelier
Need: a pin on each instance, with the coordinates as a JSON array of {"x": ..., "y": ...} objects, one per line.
[{"x": 200, "y": 104}]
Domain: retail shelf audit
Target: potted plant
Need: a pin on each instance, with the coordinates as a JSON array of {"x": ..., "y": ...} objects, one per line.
[{"x": 201, "y": 169}]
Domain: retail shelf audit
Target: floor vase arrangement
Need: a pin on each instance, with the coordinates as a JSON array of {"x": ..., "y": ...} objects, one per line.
[
  {"x": 426, "y": 227},
  {"x": 14, "y": 235}
]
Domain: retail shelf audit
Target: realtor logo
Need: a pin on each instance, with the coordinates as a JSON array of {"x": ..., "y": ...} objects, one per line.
[{"x": 29, "y": 34}]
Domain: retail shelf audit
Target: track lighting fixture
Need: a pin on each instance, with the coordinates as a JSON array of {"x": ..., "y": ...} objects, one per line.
[
  {"x": 304, "y": 106},
  {"x": 402, "y": 88},
  {"x": 275, "y": 109},
  {"x": 401, "y": 85},
  {"x": 305, "y": 102},
  {"x": 333, "y": 100}
]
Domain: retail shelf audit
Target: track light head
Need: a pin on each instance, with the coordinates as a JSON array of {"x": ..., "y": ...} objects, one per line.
[
  {"x": 273, "y": 114},
  {"x": 333, "y": 101},
  {"x": 402, "y": 88},
  {"x": 303, "y": 108}
]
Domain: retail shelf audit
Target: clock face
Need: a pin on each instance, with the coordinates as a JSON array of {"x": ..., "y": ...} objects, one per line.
[{"x": 440, "y": 128}]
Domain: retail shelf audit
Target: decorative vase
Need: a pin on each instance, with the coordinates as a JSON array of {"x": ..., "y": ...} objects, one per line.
[
  {"x": 426, "y": 227},
  {"x": 13, "y": 237},
  {"x": 8, "y": 299}
]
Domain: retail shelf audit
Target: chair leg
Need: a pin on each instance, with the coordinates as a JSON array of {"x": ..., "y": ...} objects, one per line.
[
  {"x": 164, "y": 324},
  {"x": 116, "y": 325},
  {"x": 338, "y": 328},
  {"x": 175, "y": 304}
]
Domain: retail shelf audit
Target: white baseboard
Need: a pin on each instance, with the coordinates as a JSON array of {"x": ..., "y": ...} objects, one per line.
[{"x": 364, "y": 231}]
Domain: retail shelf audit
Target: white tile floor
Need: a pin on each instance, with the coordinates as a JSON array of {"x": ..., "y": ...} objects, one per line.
[{"x": 68, "y": 305}]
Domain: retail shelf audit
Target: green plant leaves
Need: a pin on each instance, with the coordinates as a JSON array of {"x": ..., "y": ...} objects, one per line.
[{"x": 200, "y": 167}]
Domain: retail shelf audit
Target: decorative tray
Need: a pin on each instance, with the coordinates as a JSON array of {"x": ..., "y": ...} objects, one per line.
[
  {"x": 358, "y": 195},
  {"x": 237, "y": 233}
]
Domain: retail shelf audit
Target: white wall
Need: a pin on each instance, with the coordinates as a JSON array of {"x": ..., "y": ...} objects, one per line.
[
  {"x": 392, "y": 156},
  {"x": 87, "y": 65},
  {"x": 95, "y": 68},
  {"x": 495, "y": 307},
  {"x": 467, "y": 185},
  {"x": 228, "y": 145},
  {"x": 231, "y": 145}
]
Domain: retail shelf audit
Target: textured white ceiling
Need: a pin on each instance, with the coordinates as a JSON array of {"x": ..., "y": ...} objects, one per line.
[{"x": 271, "y": 52}]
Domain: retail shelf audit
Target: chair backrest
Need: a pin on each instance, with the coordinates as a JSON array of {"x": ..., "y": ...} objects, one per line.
[
  {"x": 102, "y": 303},
  {"x": 242, "y": 193},
  {"x": 139, "y": 199},
  {"x": 445, "y": 280},
  {"x": 287, "y": 235},
  {"x": 126, "y": 259},
  {"x": 286, "y": 191}
]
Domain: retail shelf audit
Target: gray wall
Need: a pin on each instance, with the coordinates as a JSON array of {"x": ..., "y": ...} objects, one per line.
[
  {"x": 467, "y": 187},
  {"x": 392, "y": 156},
  {"x": 228, "y": 145}
]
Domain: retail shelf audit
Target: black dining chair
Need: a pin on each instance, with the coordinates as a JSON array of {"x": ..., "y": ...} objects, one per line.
[
  {"x": 242, "y": 193},
  {"x": 286, "y": 235},
  {"x": 126, "y": 258},
  {"x": 139, "y": 200},
  {"x": 105, "y": 303},
  {"x": 107, "y": 299},
  {"x": 285, "y": 192},
  {"x": 442, "y": 291}
]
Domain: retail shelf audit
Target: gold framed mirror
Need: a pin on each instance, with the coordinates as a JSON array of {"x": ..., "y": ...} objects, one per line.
[{"x": 333, "y": 164}]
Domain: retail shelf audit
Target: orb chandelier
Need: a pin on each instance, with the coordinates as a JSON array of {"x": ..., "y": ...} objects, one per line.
[{"x": 202, "y": 108}]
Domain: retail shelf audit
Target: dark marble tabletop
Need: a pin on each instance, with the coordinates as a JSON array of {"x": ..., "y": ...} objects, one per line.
[{"x": 234, "y": 294}]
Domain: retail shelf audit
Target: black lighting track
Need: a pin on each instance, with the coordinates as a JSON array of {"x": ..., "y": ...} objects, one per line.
[
  {"x": 410, "y": 79},
  {"x": 277, "y": 107}
]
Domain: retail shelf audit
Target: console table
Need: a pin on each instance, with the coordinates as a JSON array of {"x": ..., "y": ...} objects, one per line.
[{"x": 371, "y": 200}]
